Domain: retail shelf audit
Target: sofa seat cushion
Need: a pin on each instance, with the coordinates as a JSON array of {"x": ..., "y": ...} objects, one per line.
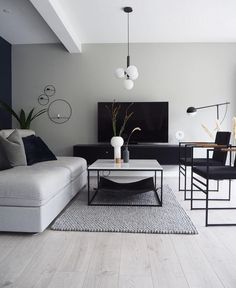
[
  {"x": 200, "y": 162},
  {"x": 35, "y": 185},
  {"x": 75, "y": 165}
]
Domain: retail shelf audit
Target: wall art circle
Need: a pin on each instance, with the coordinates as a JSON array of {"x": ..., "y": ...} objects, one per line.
[
  {"x": 49, "y": 90},
  {"x": 59, "y": 111},
  {"x": 43, "y": 99}
]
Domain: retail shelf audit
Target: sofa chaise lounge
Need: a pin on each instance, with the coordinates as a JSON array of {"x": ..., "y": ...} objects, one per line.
[{"x": 32, "y": 196}]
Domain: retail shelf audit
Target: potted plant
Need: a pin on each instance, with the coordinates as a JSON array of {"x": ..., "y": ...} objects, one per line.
[
  {"x": 23, "y": 119},
  {"x": 117, "y": 140},
  {"x": 126, "y": 151}
]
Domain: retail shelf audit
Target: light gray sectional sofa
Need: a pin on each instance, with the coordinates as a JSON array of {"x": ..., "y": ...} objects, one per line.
[{"x": 32, "y": 196}]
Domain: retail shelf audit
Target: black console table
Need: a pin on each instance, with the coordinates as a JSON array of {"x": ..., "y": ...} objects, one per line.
[{"x": 165, "y": 154}]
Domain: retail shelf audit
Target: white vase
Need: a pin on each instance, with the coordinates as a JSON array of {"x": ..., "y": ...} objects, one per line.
[{"x": 117, "y": 142}]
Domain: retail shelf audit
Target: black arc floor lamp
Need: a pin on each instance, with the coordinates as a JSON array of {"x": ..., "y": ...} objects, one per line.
[{"x": 193, "y": 110}]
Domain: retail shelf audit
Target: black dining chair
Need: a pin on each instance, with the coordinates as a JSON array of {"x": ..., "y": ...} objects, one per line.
[
  {"x": 201, "y": 177},
  {"x": 187, "y": 159}
]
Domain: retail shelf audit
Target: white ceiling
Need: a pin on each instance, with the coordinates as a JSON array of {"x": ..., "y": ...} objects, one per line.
[
  {"x": 103, "y": 21},
  {"x": 22, "y": 24}
]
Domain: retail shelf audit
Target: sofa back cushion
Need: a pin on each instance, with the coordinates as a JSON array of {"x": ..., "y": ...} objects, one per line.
[
  {"x": 23, "y": 132},
  {"x": 4, "y": 163},
  {"x": 13, "y": 149}
]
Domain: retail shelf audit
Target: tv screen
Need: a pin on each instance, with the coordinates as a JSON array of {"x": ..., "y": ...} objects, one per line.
[{"x": 151, "y": 117}]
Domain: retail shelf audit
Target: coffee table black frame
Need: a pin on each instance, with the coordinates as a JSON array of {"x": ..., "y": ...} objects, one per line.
[{"x": 98, "y": 170}]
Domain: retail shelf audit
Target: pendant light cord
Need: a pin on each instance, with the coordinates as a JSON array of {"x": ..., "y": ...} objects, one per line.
[{"x": 128, "y": 33}]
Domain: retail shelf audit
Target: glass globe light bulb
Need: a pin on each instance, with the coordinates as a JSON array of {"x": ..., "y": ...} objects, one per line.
[
  {"x": 128, "y": 84},
  {"x": 120, "y": 73},
  {"x": 134, "y": 76},
  {"x": 132, "y": 71}
]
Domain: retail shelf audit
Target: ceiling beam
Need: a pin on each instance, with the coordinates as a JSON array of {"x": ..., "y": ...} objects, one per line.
[{"x": 59, "y": 22}]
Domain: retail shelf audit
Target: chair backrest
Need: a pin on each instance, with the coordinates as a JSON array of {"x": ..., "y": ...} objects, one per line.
[{"x": 222, "y": 138}]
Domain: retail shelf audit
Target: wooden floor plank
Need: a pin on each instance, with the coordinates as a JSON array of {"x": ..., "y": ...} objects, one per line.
[
  {"x": 135, "y": 282},
  {"x": 41, "y": 269},
  {"x": 78, "y": 254},
  {"x": 65, "y": 280},
  {"x": 101, "y": 280},
  {"x": 8, "y": 242},
  {"x": 134, "y": 256},
  {"x": 222, "y": 261},
  {"x": 227, "y": 237},
  {"x": 196, "y": 268},
  {"x": 106, "y": 254},
  {"x": 14, "y": 264},
  {"x": 165, "y": 265},
  {"x": 122, "y": 260}
]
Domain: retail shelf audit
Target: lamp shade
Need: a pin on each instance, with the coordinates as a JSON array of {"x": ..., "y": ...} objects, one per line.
[
  {"x": 128, "y": 84},
  {"x": 191, "y": 111}
]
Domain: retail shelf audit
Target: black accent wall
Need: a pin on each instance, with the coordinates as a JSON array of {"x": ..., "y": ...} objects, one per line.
[{"x": 5, "y": 82}]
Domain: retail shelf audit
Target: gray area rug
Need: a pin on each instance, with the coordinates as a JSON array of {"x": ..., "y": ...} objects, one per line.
[{"x": 168, "y": 219}]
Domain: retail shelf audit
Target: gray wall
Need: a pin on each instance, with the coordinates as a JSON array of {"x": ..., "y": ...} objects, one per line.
[{"x": 183, "y": 74}]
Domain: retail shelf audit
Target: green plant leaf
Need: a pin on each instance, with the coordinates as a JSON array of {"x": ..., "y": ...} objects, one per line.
[
  {"x": 29, "y": 119},
  {"x": 22, "y": 116},
  {"x": 22, "y": 119},
  {"x": 40, "y": 112}
]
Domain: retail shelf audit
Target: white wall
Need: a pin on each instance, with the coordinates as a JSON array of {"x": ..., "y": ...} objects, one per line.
[{"x": 183, "y": 74}]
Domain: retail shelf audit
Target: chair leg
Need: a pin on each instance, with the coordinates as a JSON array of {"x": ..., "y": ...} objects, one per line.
[
  {"x": 207, "y": 202},
  {"x": 229, "y": 189},
  {"x": 218, "y": 208},
  {"x": 191, "y": 197},
  {"x": 185, "y": 183},
  {"x": 179, "y": 177}
]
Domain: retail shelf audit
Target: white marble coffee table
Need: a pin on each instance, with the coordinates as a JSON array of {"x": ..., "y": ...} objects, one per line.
[{"x": 146, "y": 165}]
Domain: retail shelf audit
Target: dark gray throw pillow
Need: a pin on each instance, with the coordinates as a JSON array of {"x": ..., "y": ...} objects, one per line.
[
  {"x": 36, "y": 150},
  {"x": 13, "y": 149}
]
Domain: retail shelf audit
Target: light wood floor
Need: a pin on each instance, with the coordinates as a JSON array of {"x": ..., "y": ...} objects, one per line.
[{"x": 78, "y": 259}]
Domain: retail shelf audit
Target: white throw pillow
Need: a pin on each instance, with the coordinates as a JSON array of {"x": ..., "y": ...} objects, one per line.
[{"x": 13, "y": 149}]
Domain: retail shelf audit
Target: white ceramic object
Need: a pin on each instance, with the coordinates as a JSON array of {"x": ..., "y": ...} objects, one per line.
[{"x": 117, "y": 142}]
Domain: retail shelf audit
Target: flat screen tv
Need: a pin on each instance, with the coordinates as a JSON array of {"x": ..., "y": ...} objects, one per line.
[{"x": 151, "y": 117}]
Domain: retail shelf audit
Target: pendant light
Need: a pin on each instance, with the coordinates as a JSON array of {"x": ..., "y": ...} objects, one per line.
[{"x": 131, "y": 72}]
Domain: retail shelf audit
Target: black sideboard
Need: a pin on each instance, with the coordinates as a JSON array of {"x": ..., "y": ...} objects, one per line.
[{"x": 165, "y": 154}]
